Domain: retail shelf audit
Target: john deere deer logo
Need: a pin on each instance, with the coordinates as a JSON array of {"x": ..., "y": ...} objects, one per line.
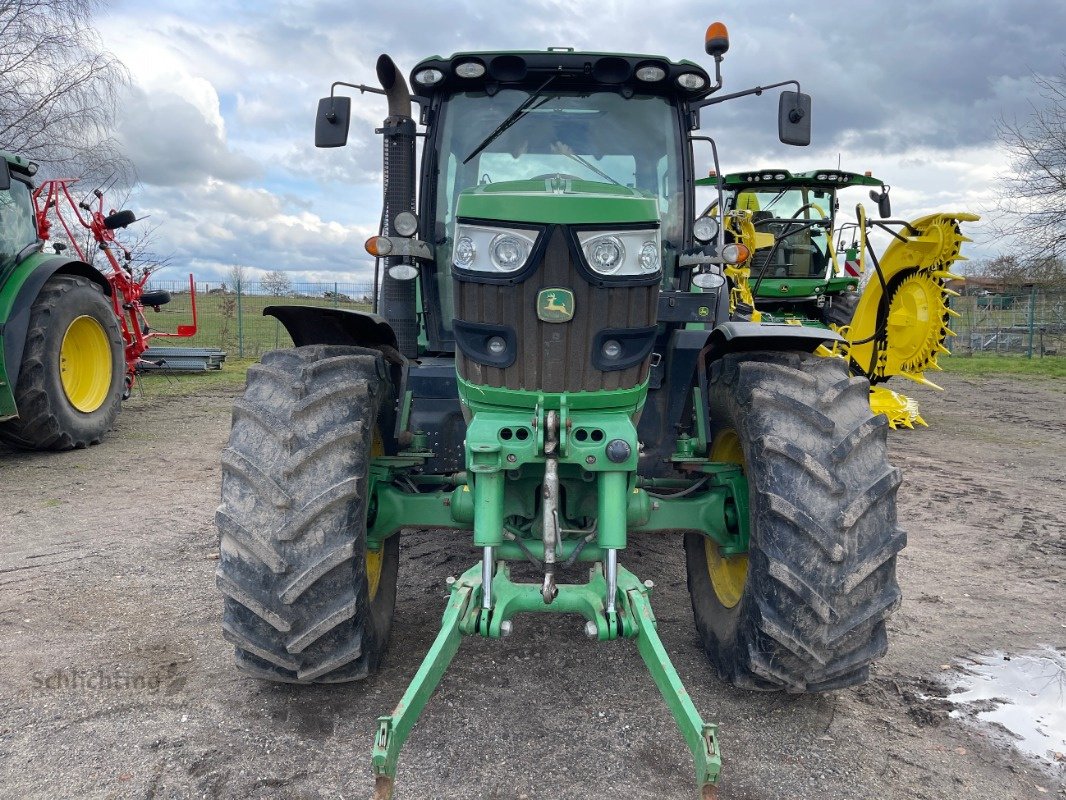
[{"x": 555, "y": 305}]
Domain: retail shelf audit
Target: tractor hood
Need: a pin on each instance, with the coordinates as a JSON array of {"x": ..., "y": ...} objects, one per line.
[{"x": 558, "y": 200}]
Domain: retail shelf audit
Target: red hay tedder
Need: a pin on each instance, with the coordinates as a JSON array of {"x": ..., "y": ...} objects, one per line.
[{"x": 128, "y": 296}]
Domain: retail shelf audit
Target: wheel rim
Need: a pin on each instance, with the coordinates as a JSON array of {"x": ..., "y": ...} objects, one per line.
[
  {"x": 728, "y": 574},
  {"x": 85, "y": 364},
  {"x": 374, "y": 558},
  {"x": 373, "y": 571}
]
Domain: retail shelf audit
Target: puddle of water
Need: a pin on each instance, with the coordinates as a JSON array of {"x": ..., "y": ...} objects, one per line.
[{"x": 1024, "y": 693}]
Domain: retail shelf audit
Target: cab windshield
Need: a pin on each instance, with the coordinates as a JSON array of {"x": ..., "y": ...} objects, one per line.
[
  {"x": 17, "y": 229},
  {"x": 804, "y": 252},
  {"x": 592, "y": 136}
]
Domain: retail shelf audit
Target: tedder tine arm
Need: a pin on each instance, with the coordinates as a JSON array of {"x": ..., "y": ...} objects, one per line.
[
  {"x": 702, "y": 738},
  {"x": 394, "y": 729}
]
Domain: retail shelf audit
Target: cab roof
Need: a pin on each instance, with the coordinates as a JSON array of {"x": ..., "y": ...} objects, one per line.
[
  {"x": 818, "y": 178},
  {"x": 18, "y": 163},
  {"x": 571, "y": 67}
]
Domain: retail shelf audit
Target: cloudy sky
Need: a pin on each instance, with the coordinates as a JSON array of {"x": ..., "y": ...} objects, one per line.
[{"x": 220, "y": 117}]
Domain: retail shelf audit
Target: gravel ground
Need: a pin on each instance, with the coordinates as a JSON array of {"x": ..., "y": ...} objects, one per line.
[{"x": 115, "y": 680}]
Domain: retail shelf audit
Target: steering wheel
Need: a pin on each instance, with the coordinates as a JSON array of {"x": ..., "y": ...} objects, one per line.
[{"x": 549, "y": 175}]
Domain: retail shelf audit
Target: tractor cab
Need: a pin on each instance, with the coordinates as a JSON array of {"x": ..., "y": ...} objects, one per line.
[
  {"x": 524, "y": 147},
  {"x": 800, "y": 209},
  {"x": 18, "y": 230}
]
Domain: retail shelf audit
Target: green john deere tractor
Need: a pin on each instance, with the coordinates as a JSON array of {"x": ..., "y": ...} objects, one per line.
[
  {"x": 62, "y": 362},
  {"x": 556, "y": 368},
  {"x": 812, "y": 269}
]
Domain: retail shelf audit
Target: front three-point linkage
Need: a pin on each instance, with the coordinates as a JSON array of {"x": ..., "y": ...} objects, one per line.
[{"x": 465, "y": 614}]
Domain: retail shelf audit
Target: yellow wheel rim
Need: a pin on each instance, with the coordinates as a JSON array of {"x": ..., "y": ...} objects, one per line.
[
  {"x": 728, "y": 574},
  {"x": 374, "y": 558},
  {"x": 85, "y": 364},
  {"x": 373, "y": 571}
]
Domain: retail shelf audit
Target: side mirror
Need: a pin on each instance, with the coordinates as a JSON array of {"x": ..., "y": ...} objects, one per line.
[
  {"x": 794, "y": 118},
  {"x": 5, "y": 175},
  {"x": 884, "y": 205},
  {"x": 332, "y": 121}
]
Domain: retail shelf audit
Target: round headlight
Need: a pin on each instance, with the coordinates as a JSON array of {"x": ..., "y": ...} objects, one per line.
[
  {"x": 612, "y": 349},
  {"x": 497, "y": 345},
  {"x": 705, "y": 229},
  {"x": 508, "y": 252},
  {"x": 651, "y": 73},
  {"x": 428, "y": 77},
  {"x": 465, "y": 252},
  {"x": 691, "y": 81},
  {"x": 405, "y": 224},
  {"x": 605, "y": 254},
  {"x": 649, "y": 257},
  {"x": 470, "y": 69}
]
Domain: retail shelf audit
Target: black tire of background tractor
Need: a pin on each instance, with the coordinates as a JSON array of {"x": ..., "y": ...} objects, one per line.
[
  {"x": 822, "y": 559},
  {"x": 47, "y": 420},
  {"x": 841, "y": 309},
  {"x": 292, "y": 522}
]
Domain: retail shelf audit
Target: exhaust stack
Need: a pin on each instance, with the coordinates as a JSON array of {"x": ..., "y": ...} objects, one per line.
[{"x": 397, "y": 300}]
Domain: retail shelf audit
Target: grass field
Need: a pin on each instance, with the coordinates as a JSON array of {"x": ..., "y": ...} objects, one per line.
[{"x": 1046, "y": 367}]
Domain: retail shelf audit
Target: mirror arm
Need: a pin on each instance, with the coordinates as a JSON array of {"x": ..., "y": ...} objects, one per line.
[
  {"x": 719, "y": 183},
  {"x": 332, "y": 115},
  {"x": 758, "y": 90}
]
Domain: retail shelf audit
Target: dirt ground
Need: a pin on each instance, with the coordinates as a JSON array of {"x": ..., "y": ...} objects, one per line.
[{"x": 115, "y": 680}]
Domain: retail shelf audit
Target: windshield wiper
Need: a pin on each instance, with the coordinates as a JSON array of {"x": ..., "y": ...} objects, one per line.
[
  {"x": 592, "y": 167},
  {"x": 512, "y": 118}
]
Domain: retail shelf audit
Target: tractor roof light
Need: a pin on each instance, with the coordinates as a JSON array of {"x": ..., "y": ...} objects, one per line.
[
  {"x": 429, "y": 77},
  {"x": 650, "y": 73},
  {"x": 470, "y": 69},
  {"x": 378, "y": 246},
  {"x": 716, "y": 41},
  {"x": 692, "y": 81}
]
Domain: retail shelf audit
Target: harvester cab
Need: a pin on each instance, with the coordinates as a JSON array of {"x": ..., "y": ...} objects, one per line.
[{"x": 560, "y": 362}]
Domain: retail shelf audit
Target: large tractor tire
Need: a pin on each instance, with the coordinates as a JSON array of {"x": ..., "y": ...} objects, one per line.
[
  {"x": 70, "y": 381},
  {"x": 305, "y": 601},
  {"x": 805, "y": 609}
]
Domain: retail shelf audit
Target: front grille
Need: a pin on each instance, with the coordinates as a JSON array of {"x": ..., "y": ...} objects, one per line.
[{"x": 554, "y": 357}]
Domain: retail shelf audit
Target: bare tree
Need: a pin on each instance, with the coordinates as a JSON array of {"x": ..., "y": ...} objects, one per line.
[
  {"x": 238, "y": 276},
  {"x": 59, "y": 89},
  {"x": 277, "y": 283},
  {"x": 1011, "y": 273},
  {"x": 1033, "y": 194}
]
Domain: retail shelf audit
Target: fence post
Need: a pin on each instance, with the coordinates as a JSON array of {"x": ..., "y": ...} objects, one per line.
[
  {"x": 334, "y": 294},
  {"x": 240, "y": 324},
  {"x": 1032, "y": 309}
]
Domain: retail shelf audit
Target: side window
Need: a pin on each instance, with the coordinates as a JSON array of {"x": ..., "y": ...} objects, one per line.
[{"x": 17, "y": 224}]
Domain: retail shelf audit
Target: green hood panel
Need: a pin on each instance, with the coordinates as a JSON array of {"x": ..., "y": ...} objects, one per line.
[{"x": 557, "y": 200}]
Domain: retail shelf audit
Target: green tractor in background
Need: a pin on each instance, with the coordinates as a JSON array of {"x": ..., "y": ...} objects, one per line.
[
  {"x": 62, "y": 355},
  {"x": 558, "y": 366},
  {"x": 811, "y": 269}
]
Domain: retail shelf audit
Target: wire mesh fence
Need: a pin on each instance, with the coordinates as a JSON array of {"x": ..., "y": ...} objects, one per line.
[
  {"x": 232, "y": 318},
  {"x": 1026, "y": 322}
]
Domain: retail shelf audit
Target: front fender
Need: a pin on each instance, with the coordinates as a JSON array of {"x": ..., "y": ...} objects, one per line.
[
  {"x": 317, "y": 325},
  {"x": 744, "y": 337},
  {"x": 17, "y": 294}
]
